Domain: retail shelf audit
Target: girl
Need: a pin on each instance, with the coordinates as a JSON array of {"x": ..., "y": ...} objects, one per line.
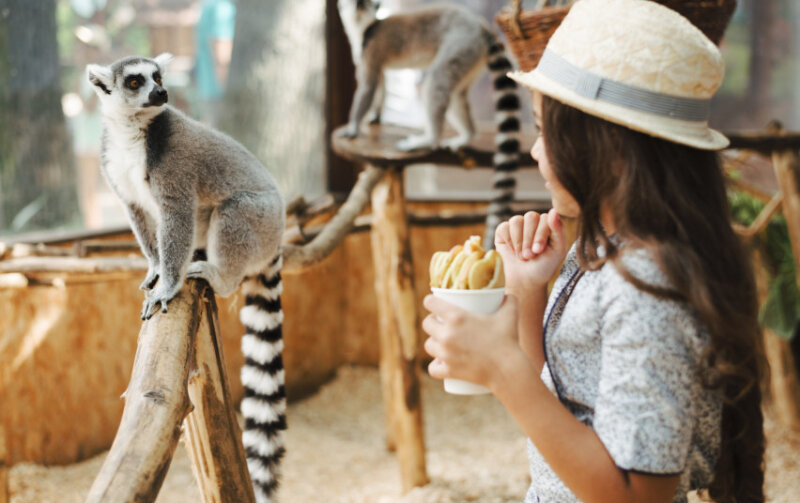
[{"x": 637, "y": 380}]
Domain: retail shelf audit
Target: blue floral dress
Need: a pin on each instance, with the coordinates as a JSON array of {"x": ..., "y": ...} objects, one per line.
[{"x": 625, "y": 363}]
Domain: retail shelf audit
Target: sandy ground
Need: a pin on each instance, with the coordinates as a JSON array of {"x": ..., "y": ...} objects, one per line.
[{"x": 336, "y": 453}]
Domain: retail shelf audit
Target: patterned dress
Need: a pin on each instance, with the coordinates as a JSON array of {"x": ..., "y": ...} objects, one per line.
[{"x": 624, "y": 362}]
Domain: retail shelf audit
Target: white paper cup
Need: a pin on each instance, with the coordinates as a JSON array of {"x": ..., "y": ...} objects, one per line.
[{"x": 476, "y": 301}]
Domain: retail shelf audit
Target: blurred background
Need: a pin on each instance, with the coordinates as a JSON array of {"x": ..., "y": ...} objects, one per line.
[{"x": 277, "y": 76}]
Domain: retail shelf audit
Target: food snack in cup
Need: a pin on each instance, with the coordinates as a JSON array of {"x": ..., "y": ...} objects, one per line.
[
  {"x": 467, "y": 267},
  {"x": 472, "y": 279}
]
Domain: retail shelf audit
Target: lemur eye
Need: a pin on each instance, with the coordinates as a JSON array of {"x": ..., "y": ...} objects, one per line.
[
  {"x": 157, "y": 78},
  {"x": 133, "y": 84}
]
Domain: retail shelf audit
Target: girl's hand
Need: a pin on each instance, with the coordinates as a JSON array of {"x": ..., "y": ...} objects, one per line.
[
  {"x": 469, "y": 346},
  {"x": 533, "y": 247}
]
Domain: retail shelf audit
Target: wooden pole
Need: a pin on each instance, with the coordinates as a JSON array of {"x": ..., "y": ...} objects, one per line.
[
  {"x": 784, "y": 386},
  {"x": 4, "y": 497},
  {"x": 394, "y": 284},
  {"x": 178, "y": 367},
  {"x": 213, "y": 437},
  {"x": 156, "y": 402},
  {"x": 787, "y": 170}
]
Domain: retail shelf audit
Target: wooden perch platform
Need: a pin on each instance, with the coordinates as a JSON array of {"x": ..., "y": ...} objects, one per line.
[
  {"x": 177, "y": 374},
  {"x": 376, "y": 145}
]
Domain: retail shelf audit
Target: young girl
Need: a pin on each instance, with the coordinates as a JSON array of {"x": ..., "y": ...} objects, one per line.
[{"x": 637, "y": 380}]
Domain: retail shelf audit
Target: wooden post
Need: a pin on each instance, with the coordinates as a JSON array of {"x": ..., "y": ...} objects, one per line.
[
  {"x": 155, "y": 404},
  {"x": 172, "y": 347},
  {"x": 4, "y": 497},
  {"x": 784, "y": 386},
  {"x": 785, "y": 382},
  {"x": 213, "y": 437},
  {"x": 394, "y": 284},
  {"x": 787, "y": 170}
]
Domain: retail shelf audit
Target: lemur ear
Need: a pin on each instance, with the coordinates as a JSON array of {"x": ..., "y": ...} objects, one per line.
[
  {"x": 163, "y": 59},
  {"x": 100, "y": 77}
]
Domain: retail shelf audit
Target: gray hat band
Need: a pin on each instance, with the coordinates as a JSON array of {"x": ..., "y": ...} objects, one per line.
[{"x": 592, "y": 86}]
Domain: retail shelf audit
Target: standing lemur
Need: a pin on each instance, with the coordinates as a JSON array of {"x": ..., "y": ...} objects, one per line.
[
  {"x": 454, "y": 46},
  {"x": 187, "y": 187}
]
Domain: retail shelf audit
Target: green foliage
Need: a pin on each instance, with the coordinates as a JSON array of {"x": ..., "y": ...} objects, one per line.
[{"x": 781, "y": 310}]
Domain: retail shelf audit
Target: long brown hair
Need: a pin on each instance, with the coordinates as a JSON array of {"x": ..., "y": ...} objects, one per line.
[{"x": 671, "y": 200}]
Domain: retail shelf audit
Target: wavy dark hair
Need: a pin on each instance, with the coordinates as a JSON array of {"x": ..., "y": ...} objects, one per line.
[{"x": 671, "y": 200}]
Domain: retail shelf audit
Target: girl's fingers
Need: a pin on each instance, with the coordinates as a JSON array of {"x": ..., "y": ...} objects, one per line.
[
  {"x": 557, "y": 238},
  {"x": 530, "y": 221},
  {"x": 430, "y": 325},
  {"x": 433, "y": 347},
  {"x": 439, "y": 307},
  {"x": 442, "y": 313},
  {"x": 501, "y": 235},
  {"x": 438, "y": 369},
  {"x": 541, "y": 236},
  {"x": 515, "y": 228}
]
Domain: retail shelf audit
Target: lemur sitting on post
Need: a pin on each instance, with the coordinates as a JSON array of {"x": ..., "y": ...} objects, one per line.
[
  {"x": 188, "y": 187},
  {"x": 454, "y": 46}
]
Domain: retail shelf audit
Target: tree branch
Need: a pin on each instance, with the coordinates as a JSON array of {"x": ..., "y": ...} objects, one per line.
[{"x": 298, "y": 256}]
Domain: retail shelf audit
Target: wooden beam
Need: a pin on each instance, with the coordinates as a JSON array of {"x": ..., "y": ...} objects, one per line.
[
  {"x": 763, "y": 218},
  {"x": 213, "y": 437},
  {"x": 75, "y": 265},
  {"x": 765, "y": 142},
  {"x": 340, "y": 85},
  {"x": 156, "y": 402},
  {"x": 399, "y": 322}
]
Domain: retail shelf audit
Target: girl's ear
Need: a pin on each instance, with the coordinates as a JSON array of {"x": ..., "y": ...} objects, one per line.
[
  {"x": 100, "y": 77},
  {"x": 163, "y": 60}
]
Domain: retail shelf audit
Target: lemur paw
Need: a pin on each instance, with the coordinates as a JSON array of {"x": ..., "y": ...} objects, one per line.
[
  {"x": 149, "y": 280},
  {"x": 415, "y": 142},
  {"x": 160, "y": 295},
  {"x": 349, "y": 132},
  {"x": 455, "y": 144}
]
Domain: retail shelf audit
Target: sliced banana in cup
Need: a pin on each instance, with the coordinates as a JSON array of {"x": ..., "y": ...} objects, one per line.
[{"x": 467, "y": 267}]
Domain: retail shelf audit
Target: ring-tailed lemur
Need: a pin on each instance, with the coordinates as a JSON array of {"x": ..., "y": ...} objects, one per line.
[
  {"x": 454, "y": 45},
  {"x": 188, "y": 187}
]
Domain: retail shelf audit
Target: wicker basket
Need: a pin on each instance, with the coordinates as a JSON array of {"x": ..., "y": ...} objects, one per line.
[
  {"x": 711, "y": 16},
  {"x": 528, "y": 31}
]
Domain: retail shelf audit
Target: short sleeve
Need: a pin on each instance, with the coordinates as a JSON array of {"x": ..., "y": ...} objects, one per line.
[
  {"x": 643, "y": 412},
  {"x": 224, "y": 20}
]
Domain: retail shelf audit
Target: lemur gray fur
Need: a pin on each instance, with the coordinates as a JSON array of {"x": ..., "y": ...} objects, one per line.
[
  {"x": 187, "y": 187},
  {"x": 454, "y": 46}
]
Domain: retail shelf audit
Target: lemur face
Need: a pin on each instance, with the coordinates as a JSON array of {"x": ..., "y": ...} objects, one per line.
[{"x": 130, "y": 85}]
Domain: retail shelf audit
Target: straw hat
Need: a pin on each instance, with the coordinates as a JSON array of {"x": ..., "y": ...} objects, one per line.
[{"x": 635, "y": 63}]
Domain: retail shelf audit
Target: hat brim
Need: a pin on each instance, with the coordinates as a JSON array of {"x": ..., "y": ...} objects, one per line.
[{"x": 693, "y": 134}]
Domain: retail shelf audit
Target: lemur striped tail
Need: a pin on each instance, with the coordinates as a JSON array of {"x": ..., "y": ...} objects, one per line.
[
  {"x": 506, "y": 157},
  {"x": 264, "y": 403}
]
